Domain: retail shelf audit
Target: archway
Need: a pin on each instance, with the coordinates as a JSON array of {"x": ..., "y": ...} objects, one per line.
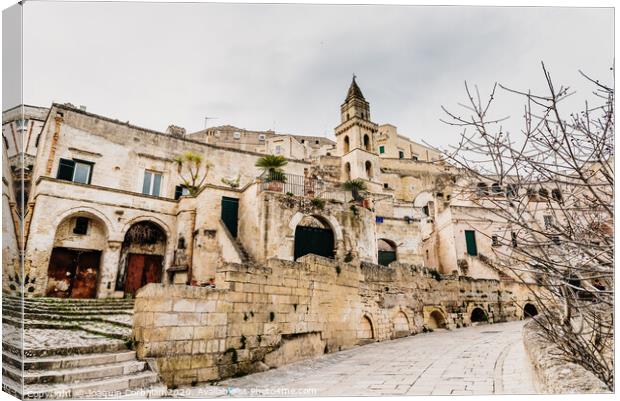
[
  {"x": 529, "y": 310},
  {"x": 478, "y": 316},
  {"x": 367, "y": 142},
  {"x": 142, "y": 257},
  {"x": 314, "y": 235},
  {"x": 368, "y": 166},
  {"x": 74, "y": 266},
  {"x": 436, "y": 320},
  {"x": 365, "y": 330},
  {"x": 346, "y": 145},
  {"x": 401, "y": 325},
  {"x": 387, "y": 252}
]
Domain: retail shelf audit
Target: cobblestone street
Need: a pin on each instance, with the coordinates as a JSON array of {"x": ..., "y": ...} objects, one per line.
[{"x": 487, "y": 359}]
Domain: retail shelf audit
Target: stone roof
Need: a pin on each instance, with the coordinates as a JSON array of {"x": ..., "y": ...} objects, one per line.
[{"x": 354, "y": 92}]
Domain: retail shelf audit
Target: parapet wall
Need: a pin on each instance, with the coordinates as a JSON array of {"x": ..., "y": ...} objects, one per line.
[{"x": 267, "y": 316}]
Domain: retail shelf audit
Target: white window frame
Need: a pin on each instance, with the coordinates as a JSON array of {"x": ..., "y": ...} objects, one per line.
[{"x": 152, "y": 173}]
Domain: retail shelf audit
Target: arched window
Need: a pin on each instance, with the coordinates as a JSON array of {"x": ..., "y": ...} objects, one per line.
[
  {"x": 496, "y": 189},
  {"x": 367, "y": 142},
  {"x": 387, "y": 252},
  {"x": 368, "y": 169},
  {"x": 347, "y": 171},
  {"x": 346, "y": 144}
]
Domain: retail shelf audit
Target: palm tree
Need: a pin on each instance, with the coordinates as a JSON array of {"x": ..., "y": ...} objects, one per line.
[
  {"x": 273, "y": 166},
  {"x": 192, "y": 170},
  {"x": 355, "y": 186}
]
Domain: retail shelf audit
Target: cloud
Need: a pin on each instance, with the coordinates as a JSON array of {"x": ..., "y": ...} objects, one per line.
[{"x": 289, "y": 66}]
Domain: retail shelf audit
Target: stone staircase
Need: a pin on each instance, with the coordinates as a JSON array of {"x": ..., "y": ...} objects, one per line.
[{"x": 68, "y": 348}]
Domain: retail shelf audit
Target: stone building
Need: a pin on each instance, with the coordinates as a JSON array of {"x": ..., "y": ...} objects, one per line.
[{"x": 106, "y": 210}]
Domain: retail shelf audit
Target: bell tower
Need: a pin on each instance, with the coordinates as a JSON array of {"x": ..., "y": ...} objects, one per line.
[{"x": 355, "y": 142}]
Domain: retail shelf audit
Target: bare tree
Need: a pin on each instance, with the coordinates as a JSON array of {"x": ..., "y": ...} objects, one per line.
[{"x": 548, "y": 190}]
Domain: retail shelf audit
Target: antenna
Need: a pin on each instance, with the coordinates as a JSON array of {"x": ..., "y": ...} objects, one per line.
[{"x": 207, "y": 118}]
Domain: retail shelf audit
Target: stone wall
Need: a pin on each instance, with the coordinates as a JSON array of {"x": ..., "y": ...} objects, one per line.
[
  {"x": 273, "y": 314},
  {"x": 554, "y": 375}
]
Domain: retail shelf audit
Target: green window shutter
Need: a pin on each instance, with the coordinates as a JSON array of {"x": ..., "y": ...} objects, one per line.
[
  {"x": 470, "y": 239},
  {"x": 382, "y": 149}
]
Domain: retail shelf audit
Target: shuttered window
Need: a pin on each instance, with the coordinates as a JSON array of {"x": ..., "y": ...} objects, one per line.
[{"x": 470, "y": 239}]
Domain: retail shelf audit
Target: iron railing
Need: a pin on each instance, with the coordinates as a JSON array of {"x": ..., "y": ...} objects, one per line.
[{"x": 299, "y": 185}]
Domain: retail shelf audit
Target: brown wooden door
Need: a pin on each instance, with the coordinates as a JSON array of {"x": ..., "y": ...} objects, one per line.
[
  {"x": 84, "y": 284},
  {"x": 135, "y": 271},
  {"x": 152, "y": 269},
  {"x": 60, "y": 272}
]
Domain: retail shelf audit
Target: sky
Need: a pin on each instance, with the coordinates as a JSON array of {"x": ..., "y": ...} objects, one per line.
[{"x": 288, "y": 67}]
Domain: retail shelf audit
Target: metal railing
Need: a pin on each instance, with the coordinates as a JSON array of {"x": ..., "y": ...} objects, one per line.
[{"x": 298, "y": 185}]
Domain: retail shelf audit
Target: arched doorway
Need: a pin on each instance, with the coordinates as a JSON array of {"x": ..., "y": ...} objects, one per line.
[
  {"x": 314, "y": 235},
  {"x": 401, "y": 325},
  {"x": 529, "y": 310},
  {"x": 368, "y": 166},
  {"x": 387, "y": 252},
  {"x": 478, "y": 316},
  {"x": 365, "y": 332},
  {"x": 436, "y": 320},
  {"x": 142, "y": 257},
  {"x": 346, "y": 145},
  {"x": 74, "y": 266}
]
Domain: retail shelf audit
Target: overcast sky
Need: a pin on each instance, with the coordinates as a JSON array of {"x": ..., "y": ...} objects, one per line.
[{"x": 289, "y": 66}]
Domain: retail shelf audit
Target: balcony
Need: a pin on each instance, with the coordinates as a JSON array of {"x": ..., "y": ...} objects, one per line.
[{"x": 298, "y": 185}]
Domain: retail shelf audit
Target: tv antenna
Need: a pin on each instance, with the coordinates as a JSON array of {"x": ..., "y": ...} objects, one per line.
[{"x": 207, "y": 118}]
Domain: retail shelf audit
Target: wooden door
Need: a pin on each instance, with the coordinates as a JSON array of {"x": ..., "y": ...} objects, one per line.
[
  {"x": 135, "y": 272},
  {"x": 84, "y": 284},
  {"x": 318, "y": 241},
  {"x": 60, "y": 272},
  {"x": 152, "y": 269}
]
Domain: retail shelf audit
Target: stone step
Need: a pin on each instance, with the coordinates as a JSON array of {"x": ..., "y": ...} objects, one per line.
[
  {"x": 68, "y": 361},
  {"x": 108, "y": 347},
  {"x": 69, "y": 317},
  {"x": 73, "y": 311},
  {"x": 74, "y": 375},
  {"x": 113, "y": 387}
]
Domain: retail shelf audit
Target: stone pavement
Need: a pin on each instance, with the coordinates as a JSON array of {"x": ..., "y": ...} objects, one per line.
[{"x": 486, "y": 359}]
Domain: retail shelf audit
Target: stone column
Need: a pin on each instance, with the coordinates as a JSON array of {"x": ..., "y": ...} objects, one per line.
[{"x": 108, "y": 270}]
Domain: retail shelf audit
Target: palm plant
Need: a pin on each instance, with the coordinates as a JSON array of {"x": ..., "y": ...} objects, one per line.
[
  {"x": 355, "y": 186},
  {"x": 273, "y": 166},
  {"x": 193, "y": 171}
]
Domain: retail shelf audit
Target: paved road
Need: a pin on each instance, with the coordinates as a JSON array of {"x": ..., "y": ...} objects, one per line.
[{"x": 487, "y": 359}]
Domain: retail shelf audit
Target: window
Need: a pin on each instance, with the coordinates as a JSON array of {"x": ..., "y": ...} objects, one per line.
[
  {"x": 513, "y": 239},
  {"x": 543, "y": 192},
  {"x": 180, "y": 190},
  {"x": 470, "y": 240},
  {"x": 316, "y": 142},
  {"x": 556, "y": 194},
  {"x": 548, "y": 221},
  {"x": 386, "y": 185},
  {"x": 21, "y": 124},
  {"x": 237, "y": 135},
  {"x": 482, "y": 189},
  {"x": 81, "y": 226},
  {"x": 415, "y": 157},
  {"x": 494, "y": 240},
  {"x": 511, "y": 190},
  {"x": 425, "y": 211},
  {"x": 261, "y": 137},
  {"x": 555, "y": 239},
  {"x": 75, "y": 170},
  {"x": 303, "y": 141},
  {"x": 381, "y": 149},
  {"x": 496, "y": 189},
  {"x": 401, "y": 154},
  {"x": 152, "y": 183},
  {"x": 278, "y": 149}
]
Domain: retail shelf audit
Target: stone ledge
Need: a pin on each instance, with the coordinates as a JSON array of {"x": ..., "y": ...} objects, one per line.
[{"x": 552, "y": 374}]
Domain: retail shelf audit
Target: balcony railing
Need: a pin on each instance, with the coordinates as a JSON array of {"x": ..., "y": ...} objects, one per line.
[{"x": 298, "y": 185}]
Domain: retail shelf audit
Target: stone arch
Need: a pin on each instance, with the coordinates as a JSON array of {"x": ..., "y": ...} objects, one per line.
[
  {"x": 347, "y": 144},
  {"x": 365, "y": 330},
  {"x": 155, "y": 220},
  {"x": 402, "y": 326},
  {"x": 314, "y": 235},
  {"x": 347, "y": 171},
  {"x": 367, "y": 142},
  {"x": 80, "y": 240},
  {"x": 529, "y": 310},
  {"x": 143, "y": 254},
  {"x": 368, "y": 167},
  {"x": 422, "y": 199},
  {"x": 478, "y": 315},
  {"x": 387, "y": 251},
  {"x": 88, "y": 212},
  {"x": 436, "y": 319},
  {"x": 329, "y": 220}
]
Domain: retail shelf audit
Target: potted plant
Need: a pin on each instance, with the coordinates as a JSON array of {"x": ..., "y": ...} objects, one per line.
[
  {"x": 273, "y": 172},
  {"x": 355, "y": 186}
]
